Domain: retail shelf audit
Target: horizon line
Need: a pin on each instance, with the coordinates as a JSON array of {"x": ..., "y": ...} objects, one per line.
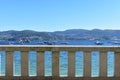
[{"x": 57, "y": 30}]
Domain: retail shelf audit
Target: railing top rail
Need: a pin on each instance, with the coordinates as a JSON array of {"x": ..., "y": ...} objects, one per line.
[{"x": 60, "y": 47}]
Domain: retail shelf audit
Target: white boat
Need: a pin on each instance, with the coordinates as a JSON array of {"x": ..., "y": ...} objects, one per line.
[{"x": 98, "y": 42}]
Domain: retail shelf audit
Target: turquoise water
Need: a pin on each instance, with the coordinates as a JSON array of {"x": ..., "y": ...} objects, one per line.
[{"x": 63, "y": 61}]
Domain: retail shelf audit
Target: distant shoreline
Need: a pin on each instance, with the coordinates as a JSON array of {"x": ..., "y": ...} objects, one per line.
[{"x": 71, "y": 34}]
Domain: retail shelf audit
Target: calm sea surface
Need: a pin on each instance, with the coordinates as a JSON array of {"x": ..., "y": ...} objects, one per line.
[{"x": 63, "y": 60}]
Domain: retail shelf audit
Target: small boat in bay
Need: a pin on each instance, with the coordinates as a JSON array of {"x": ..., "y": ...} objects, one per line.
[
  {"x": 98, "y": 42},
  {"x": 49, "y": 43},
  {"x": 64, "y": 43}
]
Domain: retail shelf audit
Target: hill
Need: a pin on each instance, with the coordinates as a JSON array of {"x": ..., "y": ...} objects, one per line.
[{"x": 59, "y": 35}]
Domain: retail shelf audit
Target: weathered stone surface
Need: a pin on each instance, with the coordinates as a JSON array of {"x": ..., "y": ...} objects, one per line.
[{"x": 24, "y": 49}]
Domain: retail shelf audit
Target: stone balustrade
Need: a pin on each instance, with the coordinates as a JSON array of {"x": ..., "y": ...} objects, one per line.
[{"x": 55, "y": 49}]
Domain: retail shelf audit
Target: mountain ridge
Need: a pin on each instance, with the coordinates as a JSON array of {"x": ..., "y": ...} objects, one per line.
[{"x": 59, "y": 35}]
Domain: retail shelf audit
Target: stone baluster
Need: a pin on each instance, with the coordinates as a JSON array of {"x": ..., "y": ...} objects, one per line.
[
  {"x": 55, "y": 63},
  {"x": 87, "y": 64},
  {"x": 9, "y": 63},
  {"x": 71, "y": 64},
  {"x": 40, "y": 63},
  {"x": 24, "y": 63},
  {"x": 103, "y": 64},
  {"x": 117, "y": 64}
]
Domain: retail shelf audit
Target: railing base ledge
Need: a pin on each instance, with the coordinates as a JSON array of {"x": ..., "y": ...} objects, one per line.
[{"x": 59, "y": 78}]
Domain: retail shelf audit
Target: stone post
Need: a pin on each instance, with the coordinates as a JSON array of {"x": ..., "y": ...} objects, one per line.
[
  {"x": 24, "y": 63},
  {"x": 55, "y": 64},
  {"x": 9, "y": 63},
  {"x": 71, "y": 64},
  {"x": 103, "y": 64},
  {"x": 87, "y": 64},
  {"x": 40, "y": 63},
  {"x": 117, "y": 64}
]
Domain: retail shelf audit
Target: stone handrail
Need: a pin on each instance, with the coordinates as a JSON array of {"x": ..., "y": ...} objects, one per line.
[{"x": 71, "y": 49}]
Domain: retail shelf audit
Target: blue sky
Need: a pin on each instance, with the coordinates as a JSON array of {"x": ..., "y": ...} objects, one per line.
[{"x": 59, "y": 15}]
